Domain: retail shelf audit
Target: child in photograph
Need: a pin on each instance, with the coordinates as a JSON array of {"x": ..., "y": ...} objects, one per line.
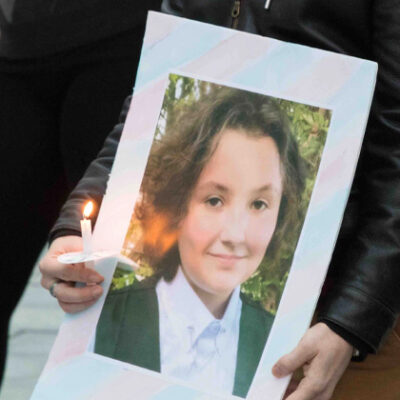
[{"x": 222, "y": 185}]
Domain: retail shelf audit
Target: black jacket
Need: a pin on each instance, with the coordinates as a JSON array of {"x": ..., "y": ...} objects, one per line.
[
  {"x": 361, "y": 298},
  {"x": 36, "y": 28}
]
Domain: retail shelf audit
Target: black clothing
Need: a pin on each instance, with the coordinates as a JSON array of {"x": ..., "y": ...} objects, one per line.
[
  {"x": 362, "y": 293},
  {"x": 35, "y": 28},
  {"x": 65, "y": 68}
]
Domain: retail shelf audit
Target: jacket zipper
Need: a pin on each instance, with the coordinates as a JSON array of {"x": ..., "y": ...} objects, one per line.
[{"x": 235, "y": 13}]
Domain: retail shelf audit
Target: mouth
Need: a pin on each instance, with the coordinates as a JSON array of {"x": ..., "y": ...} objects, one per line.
[{"x": 228, "y": 258}]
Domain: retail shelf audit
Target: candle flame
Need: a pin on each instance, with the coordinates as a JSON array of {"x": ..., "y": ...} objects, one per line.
[{"x": 88, "y": 209}]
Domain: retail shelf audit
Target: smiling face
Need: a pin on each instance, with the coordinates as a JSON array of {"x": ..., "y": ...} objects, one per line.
[{"x": 232, "y": 214}]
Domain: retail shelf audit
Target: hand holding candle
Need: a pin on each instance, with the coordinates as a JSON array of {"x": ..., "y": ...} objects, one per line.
[
  {"x": 87, "y": 255},
  {"x": 72, "y": 298}
]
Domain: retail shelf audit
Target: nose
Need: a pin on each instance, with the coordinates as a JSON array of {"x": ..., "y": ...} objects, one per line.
[{"x": 233, "y": 231}]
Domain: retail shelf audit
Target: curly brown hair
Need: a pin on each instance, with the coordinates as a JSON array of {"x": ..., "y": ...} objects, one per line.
[{"x": 179, "y": 156}]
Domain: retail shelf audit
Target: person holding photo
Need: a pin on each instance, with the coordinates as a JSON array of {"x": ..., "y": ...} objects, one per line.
[
  {"x": 65, "y": 69},
  {"x": 360, "y": 302},
  {"x": 224, "y": 183}
]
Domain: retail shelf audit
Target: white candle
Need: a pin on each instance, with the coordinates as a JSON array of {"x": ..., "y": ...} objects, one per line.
[{"x": 86, "y": 228}]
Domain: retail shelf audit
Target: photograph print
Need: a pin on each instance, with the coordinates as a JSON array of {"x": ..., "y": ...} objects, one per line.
[{"x": 212, "y": 235}]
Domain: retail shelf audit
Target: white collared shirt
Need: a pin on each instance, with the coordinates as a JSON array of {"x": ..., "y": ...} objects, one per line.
[{"x": 194, "y": 345}]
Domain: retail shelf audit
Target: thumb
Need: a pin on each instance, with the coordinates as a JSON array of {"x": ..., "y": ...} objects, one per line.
[
  {"x": 65, "y": 244},
  {"x": 287, "y": 364}
]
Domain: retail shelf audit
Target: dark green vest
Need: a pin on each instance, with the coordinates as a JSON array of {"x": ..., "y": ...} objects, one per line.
[{"x": 128, "y": 330}]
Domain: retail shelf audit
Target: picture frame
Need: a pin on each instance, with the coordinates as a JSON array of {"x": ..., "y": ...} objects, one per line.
[{"x": 324, "y": 80}]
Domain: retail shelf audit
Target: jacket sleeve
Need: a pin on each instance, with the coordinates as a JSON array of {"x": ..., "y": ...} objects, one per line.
[
  {"x": 362, "y": 293},
  {"x": 93, "y": 184},
  {"x": 174, "y": 7}
]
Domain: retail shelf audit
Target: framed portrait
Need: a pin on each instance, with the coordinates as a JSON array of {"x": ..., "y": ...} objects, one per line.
[
  {"x": 213, "y": 233},
  {"x": 224, "y": 203}
]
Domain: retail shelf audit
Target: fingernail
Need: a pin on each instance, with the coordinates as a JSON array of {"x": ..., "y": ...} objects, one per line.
[
  {"x": 95, "y": 278},
  {"x": 278, "y": 371},
  {"x": 97, "y": 291}
]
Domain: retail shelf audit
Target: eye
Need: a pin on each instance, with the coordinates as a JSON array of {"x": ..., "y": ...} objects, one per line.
[
  {"x": 214, "y": 202},
  {"x": 259, "y": 205}
]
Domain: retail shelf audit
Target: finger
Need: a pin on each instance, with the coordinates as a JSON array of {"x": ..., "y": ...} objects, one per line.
[
  {"x": 50, "y": 266},
  {"x": 72, "y": 308},
  {"x": 67, "y": 293},
  {"x": 293, "y": 384},
  {"x": 48, "y": 280},
  {"x": 287, "y": 364},
  {"x": 68, "y": 272},
  {"x": 65, "y": 244},
  {"x": 60, "y": 246},
  {"x": 318, "y": 383},
  {"x": 310, "y": 389}
]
